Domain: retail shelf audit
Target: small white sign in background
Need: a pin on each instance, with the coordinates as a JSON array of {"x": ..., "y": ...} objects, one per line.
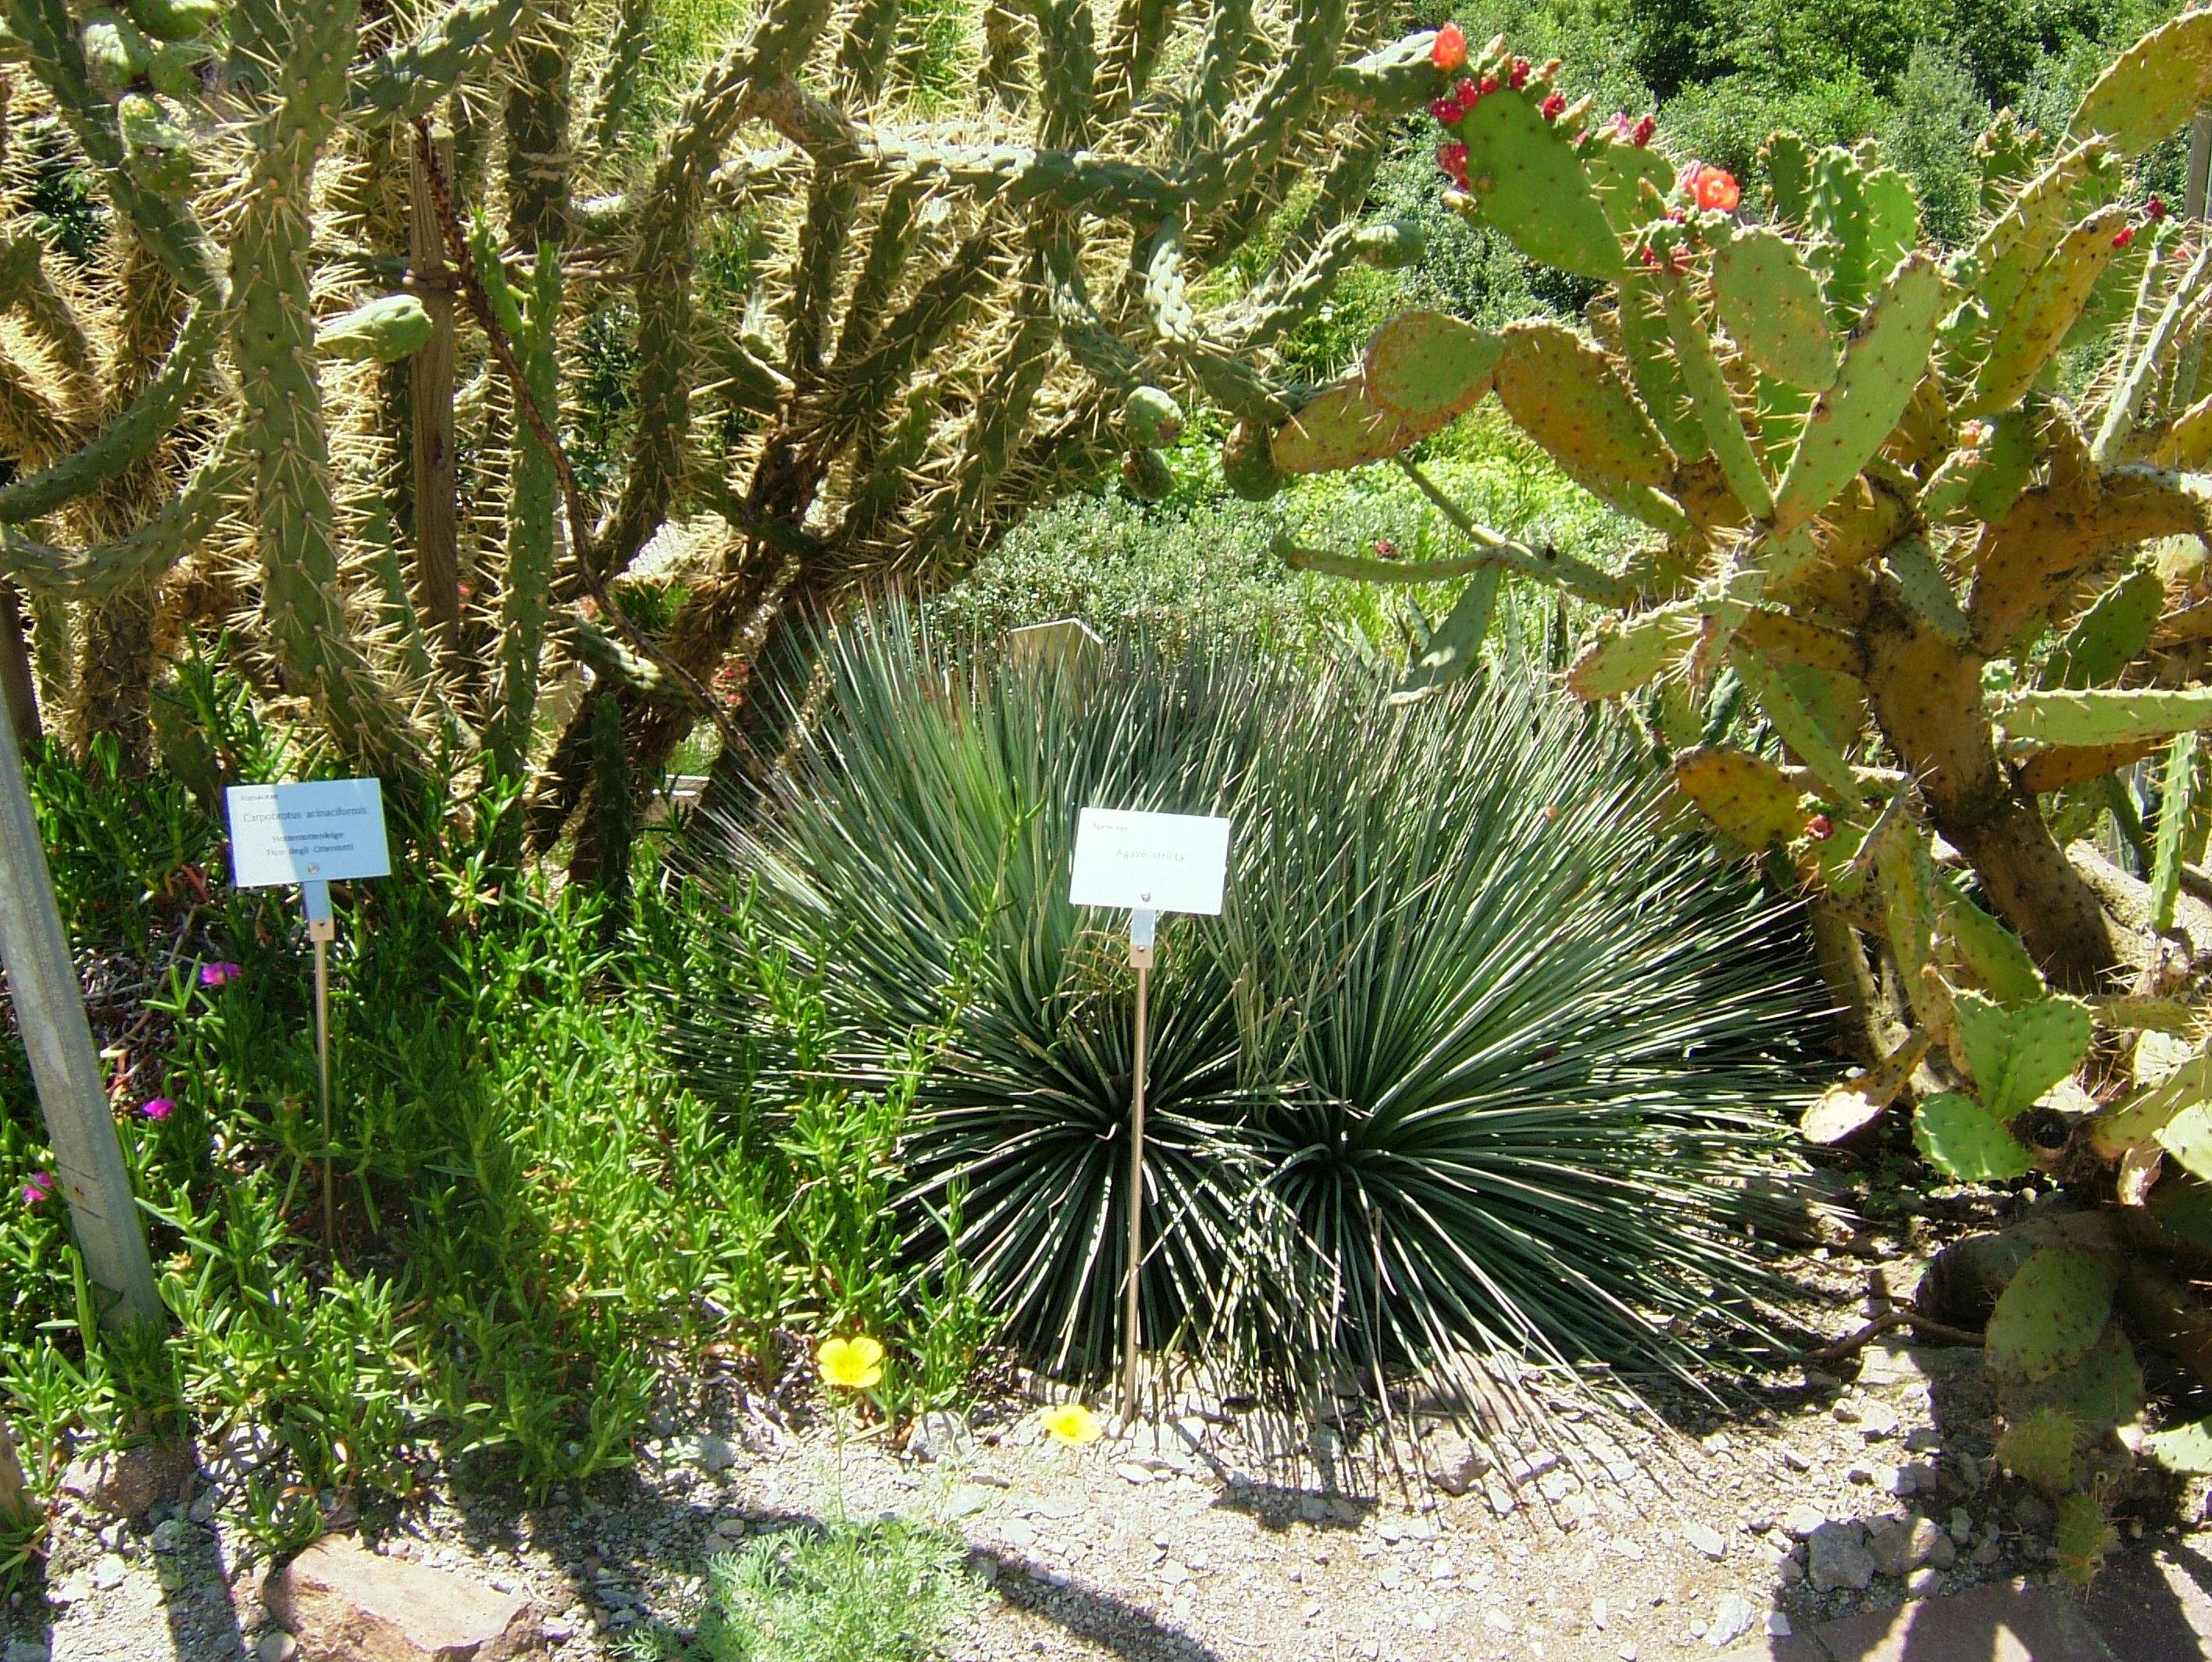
[
  {"x": 320, "y": 831},
  {"x": 1150, "y": 862}
]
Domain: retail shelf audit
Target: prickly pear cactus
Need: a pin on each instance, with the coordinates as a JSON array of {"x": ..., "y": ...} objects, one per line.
[{"x": 1914, "y": 624}]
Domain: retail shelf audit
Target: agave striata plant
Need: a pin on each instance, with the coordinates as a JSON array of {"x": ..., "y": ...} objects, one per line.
[{"x": 1468, "y": 1076}]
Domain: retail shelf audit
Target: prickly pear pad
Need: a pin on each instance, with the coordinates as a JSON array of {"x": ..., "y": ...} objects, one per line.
[
  {"x": 2052, "y": 1312},
  {"x": 1746, "y": 797},
  {"x": 1528, "y": 182},
  {"x": 1887, "y": 355},
  {"x": 1770, "y": 303},
  {"x": 2148, "y": 92},
  {"x": 1427, "y": 363},
  {"x": 1563, "y": 393}
]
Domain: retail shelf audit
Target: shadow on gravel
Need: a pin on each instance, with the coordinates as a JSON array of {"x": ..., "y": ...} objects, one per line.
[
  {"x": 630, "y": 1535},
  {"x": 1276, "y": 1507},
  {"x": 1100, "y": 1617}
]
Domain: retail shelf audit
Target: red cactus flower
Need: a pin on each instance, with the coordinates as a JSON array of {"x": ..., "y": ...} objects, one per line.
[
  {"x": 1552, "y": 107},
  {"x": 2154, "y": 210},
  {"x": 1518, "y": 76},
  {"x": 1713, "y": 189},
  {"x": 1449, "y": 51},
  {"x": 1452, "y": 158},
  {"x": 1819, "y": 828},
  {"x": 1642, "y": 135},
  {"x": 2124, "y": 236}
]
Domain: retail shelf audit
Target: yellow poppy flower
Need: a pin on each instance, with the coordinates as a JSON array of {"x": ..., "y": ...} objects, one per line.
[
  {"x": 1071, "y": 1423},
  {"x": 854, "y": 1364}
]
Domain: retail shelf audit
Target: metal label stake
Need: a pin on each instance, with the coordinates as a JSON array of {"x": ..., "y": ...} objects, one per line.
[
  {"x": 1150, "y": 863},
  {"x": 1141, "y": 922},
  {"x": 322, "y": 930},
  {"x": 313, "y": 833}
]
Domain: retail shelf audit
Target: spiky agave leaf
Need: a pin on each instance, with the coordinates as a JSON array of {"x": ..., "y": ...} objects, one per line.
[{"x": 1468, "y": 1076}]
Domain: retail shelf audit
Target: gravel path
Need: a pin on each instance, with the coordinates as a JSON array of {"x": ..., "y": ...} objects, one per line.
[{"x": 1842, "y": 1495}]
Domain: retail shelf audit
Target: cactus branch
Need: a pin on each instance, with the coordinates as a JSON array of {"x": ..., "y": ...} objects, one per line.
[{"x": 541, "y": 426}]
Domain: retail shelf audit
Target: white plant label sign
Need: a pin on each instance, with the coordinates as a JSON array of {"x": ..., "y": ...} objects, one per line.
[
  {"x": 1150, "y": 862},
  {"x": 320, "y": 831}
]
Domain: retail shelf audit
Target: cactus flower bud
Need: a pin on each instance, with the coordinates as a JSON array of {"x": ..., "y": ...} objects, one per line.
[
  {"x": 1445, "y": 110},
  {"x": 1819, "y": 828},
  {"x": 1151, "y": 417},
  {"x": 2124, "y": 236},
  {"x": 2154, "y": 210},
  {"x": 1450, "y": 50},
  {"x": 1452, "y": 158},
  {"x": 1552, "y": 107},
  {"x": 1518, "y": 77},
  {"x": 1489, "y": 85},
  {"x": 1642, "y": 135}
]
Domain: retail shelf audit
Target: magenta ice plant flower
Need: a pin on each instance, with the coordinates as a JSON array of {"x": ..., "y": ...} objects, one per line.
[
  {"x": 38, "y": 1186},
  {"x": 158, "y": 1107},
  {"x": 222, "y": 975}
]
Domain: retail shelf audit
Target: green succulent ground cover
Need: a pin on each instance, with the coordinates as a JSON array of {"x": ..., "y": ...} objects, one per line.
[{"x": 534, "y": 1218}]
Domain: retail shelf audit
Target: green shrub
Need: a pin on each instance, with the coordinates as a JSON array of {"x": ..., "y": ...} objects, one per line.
[
  {"x": 888, "y": 1591},
  {"x": 1199, "y": 566},
  {"x": 1474, "y": 1029}
]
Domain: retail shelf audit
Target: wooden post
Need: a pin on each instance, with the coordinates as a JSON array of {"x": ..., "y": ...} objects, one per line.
[
  {"x": 49, "y": 1010},
  {"x": 2200, "y": 163},
  {"x": 16, "y": 1506},
  {"x": 430, "y": 390},
  {"x": 19, "y": 687}
]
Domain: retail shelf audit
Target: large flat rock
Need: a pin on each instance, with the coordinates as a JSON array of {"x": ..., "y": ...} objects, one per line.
[{"x": 344, "y": 1604}]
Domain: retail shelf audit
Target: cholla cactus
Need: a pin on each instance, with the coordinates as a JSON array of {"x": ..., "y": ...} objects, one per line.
[
  {"x": 966, "y": 308},
  {"x": 1903, "y": 507}
]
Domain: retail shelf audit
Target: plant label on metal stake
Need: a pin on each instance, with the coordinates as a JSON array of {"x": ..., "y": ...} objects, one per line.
[
  {"x": 313, "y": 834},
  {"x": 1150, "y": 863}
]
